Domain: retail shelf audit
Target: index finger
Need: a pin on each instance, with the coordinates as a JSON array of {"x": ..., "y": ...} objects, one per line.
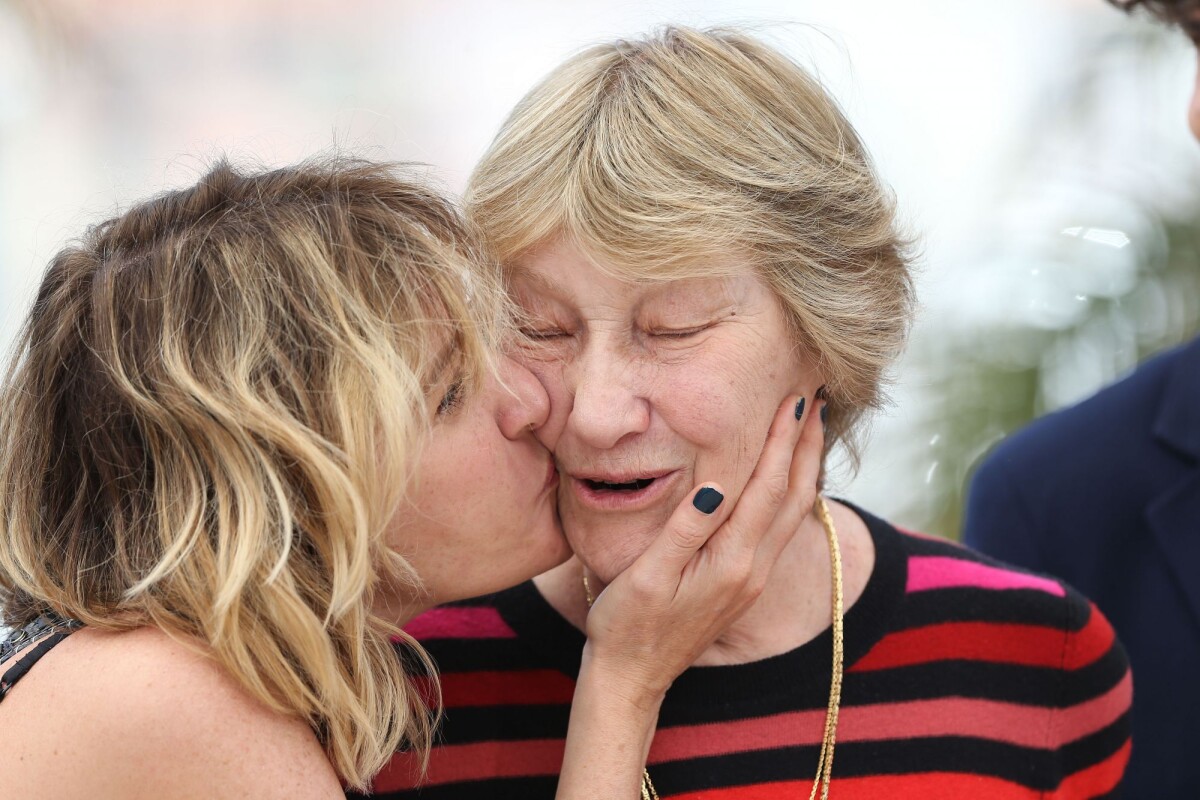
[{"x": 691, "y": 525}]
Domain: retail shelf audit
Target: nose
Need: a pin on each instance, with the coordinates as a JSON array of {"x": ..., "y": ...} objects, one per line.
[
  {"x": 607, "y": 405},
  {"x": 525, "y": 405}
]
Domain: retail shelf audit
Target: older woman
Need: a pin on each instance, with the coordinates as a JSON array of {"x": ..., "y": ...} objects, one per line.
[
  {"x": 694, "y": 231},
  {"x": 252, "y": 427}
]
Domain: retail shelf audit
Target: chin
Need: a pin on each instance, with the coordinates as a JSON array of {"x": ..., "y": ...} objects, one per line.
[{"x": 610, "y": 550}]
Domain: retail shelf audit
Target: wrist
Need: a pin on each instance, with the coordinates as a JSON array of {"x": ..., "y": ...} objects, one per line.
[{"x": 622, "y": 683}]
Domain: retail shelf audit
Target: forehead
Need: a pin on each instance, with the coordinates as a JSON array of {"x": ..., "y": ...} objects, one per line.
[{"x": 564, "y": 270}]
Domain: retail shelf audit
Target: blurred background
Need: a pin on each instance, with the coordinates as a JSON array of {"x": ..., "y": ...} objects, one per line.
[{"x": 1038, "y": 150}]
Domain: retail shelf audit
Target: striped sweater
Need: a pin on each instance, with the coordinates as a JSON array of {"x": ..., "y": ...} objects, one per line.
[{"x": 964, "y": 679}]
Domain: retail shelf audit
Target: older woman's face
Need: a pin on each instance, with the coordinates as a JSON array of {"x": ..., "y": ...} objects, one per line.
[{"x": 653, "y": 389}]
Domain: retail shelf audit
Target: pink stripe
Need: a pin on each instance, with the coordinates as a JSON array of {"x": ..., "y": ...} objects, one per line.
[
  {"x": 1092, "y": 715},
  {"x": 473, "y": 762},
  {"x": 1021, "y": 725},
  {"x": 460, "y": 623},
  {"x": 942, "y": 572}
]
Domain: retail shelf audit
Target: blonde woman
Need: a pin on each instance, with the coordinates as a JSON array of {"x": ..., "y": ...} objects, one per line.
[{"x": 252, "y": 428}]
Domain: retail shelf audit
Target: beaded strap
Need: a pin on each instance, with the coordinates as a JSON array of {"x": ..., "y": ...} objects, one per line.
[{"x": 43, "y": 633}]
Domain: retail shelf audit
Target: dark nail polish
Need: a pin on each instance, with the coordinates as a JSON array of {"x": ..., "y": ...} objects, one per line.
[
  {"x": 824, "y": 413},
  {"x": 822, "y": 393},
  {"x": 800, "y": 408},
  {"x": 707, "y": 500}
]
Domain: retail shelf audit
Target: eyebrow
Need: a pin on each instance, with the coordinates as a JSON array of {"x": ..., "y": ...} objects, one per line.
[
  {"x": 656, "y": 289},
  {"x": 537, "y": 280}
]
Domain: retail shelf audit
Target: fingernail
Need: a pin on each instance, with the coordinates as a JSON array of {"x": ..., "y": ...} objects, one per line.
[
  {"x": 800, "y": 408},
  {"x": 707, "y": 500},
  {"x": 823, "y": 392},
  {"x": 824, "y": 413}
]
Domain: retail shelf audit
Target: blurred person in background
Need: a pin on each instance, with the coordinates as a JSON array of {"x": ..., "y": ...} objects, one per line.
[
  {"x": 252, "y": 427},
  {"x": 693, "y": 229},
  {"x": 1106, "y": 495}
]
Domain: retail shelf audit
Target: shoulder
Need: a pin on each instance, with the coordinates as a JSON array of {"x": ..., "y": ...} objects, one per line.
[
  {"x": 141, "y": 714},
  {"x": 1120, "y": 415},
  {"x": 1047, "y": 494},
  {"x": 1028, "y": 618},
  {"x": 939, "y": 570},
  {"x": 1007, "y": 656}
]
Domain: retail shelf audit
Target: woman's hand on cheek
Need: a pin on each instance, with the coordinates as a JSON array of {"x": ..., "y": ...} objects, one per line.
[
  {"x": 709, "y": 564},
  {"x": 705, "y": 568}
]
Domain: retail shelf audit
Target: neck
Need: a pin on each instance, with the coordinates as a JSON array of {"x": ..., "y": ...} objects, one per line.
[
  {"x": 794, "y": 608},
  {"x": 400, "y": 610}
]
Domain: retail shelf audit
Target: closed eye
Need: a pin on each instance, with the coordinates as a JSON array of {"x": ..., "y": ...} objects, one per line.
[
  {"x": 452, "y": 399},
  {"x": 542, "y": 334},
  {"x": 679, "y": 333}
]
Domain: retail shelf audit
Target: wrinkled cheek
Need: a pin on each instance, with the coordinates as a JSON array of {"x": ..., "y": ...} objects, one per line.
[{"x": 742, "y": 458}]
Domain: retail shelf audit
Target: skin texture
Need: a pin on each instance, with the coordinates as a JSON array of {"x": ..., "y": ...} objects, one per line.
[
  {"x": 138, "y": 715},
  {"x": 481, "y": 516},
  {"x": 679, "y": 377},
  {"x": 657, "y": 616},
  {"x": 142, "y": 715}
]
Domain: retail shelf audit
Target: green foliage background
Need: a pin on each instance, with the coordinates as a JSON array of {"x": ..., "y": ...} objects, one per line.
[{"x": 983, "y": 381}]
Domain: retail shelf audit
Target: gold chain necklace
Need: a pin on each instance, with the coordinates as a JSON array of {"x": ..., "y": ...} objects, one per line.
[{"x": 825, "y": 760}]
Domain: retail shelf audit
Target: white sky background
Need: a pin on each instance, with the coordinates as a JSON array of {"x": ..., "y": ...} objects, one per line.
[{"x": 108, "y": 100}]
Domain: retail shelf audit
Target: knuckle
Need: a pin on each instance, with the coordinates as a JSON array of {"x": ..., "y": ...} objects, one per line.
[
  {"x": 739, "y": 572},
  {"x": 775, "y": 489},
  {"x": 687, "y": 537},
  {"x": 642, "y": 585},
  {"x": 756, "y": 583}
]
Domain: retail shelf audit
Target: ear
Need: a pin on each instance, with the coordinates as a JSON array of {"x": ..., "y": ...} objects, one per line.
[{"x": 810, "y": 377}]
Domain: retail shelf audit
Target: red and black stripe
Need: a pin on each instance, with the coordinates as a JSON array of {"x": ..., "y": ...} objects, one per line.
[{"x": 965, "y": 678}]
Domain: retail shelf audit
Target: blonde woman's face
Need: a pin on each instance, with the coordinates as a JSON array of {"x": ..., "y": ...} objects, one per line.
[
  {"x": 653, "y": 389},
  {"x": 482, "y": 515}
]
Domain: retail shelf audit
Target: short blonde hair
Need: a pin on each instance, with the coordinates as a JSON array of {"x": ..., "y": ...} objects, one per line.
[
  {"x": 653, "y": 155},
  {"x": 211, "y": 420}
]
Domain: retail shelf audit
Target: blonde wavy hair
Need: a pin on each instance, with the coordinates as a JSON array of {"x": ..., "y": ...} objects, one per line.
[
  {"x": 657, "y": 155},
  {"x": 211, "y": 419}
]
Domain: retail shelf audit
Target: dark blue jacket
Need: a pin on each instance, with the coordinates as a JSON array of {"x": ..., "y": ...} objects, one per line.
[{"x": 1106, "y": 495}]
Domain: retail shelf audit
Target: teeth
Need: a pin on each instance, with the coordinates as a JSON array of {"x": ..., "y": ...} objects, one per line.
[{"x": 631, "y": 486}]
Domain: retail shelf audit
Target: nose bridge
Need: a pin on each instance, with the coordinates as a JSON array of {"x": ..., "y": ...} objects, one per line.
[{"x": 608, "y": 403}]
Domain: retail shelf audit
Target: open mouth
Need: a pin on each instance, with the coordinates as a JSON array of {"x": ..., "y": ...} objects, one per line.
[
  {"x": 622, "y": 492},
  {"x": 634, "y": 485}
]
